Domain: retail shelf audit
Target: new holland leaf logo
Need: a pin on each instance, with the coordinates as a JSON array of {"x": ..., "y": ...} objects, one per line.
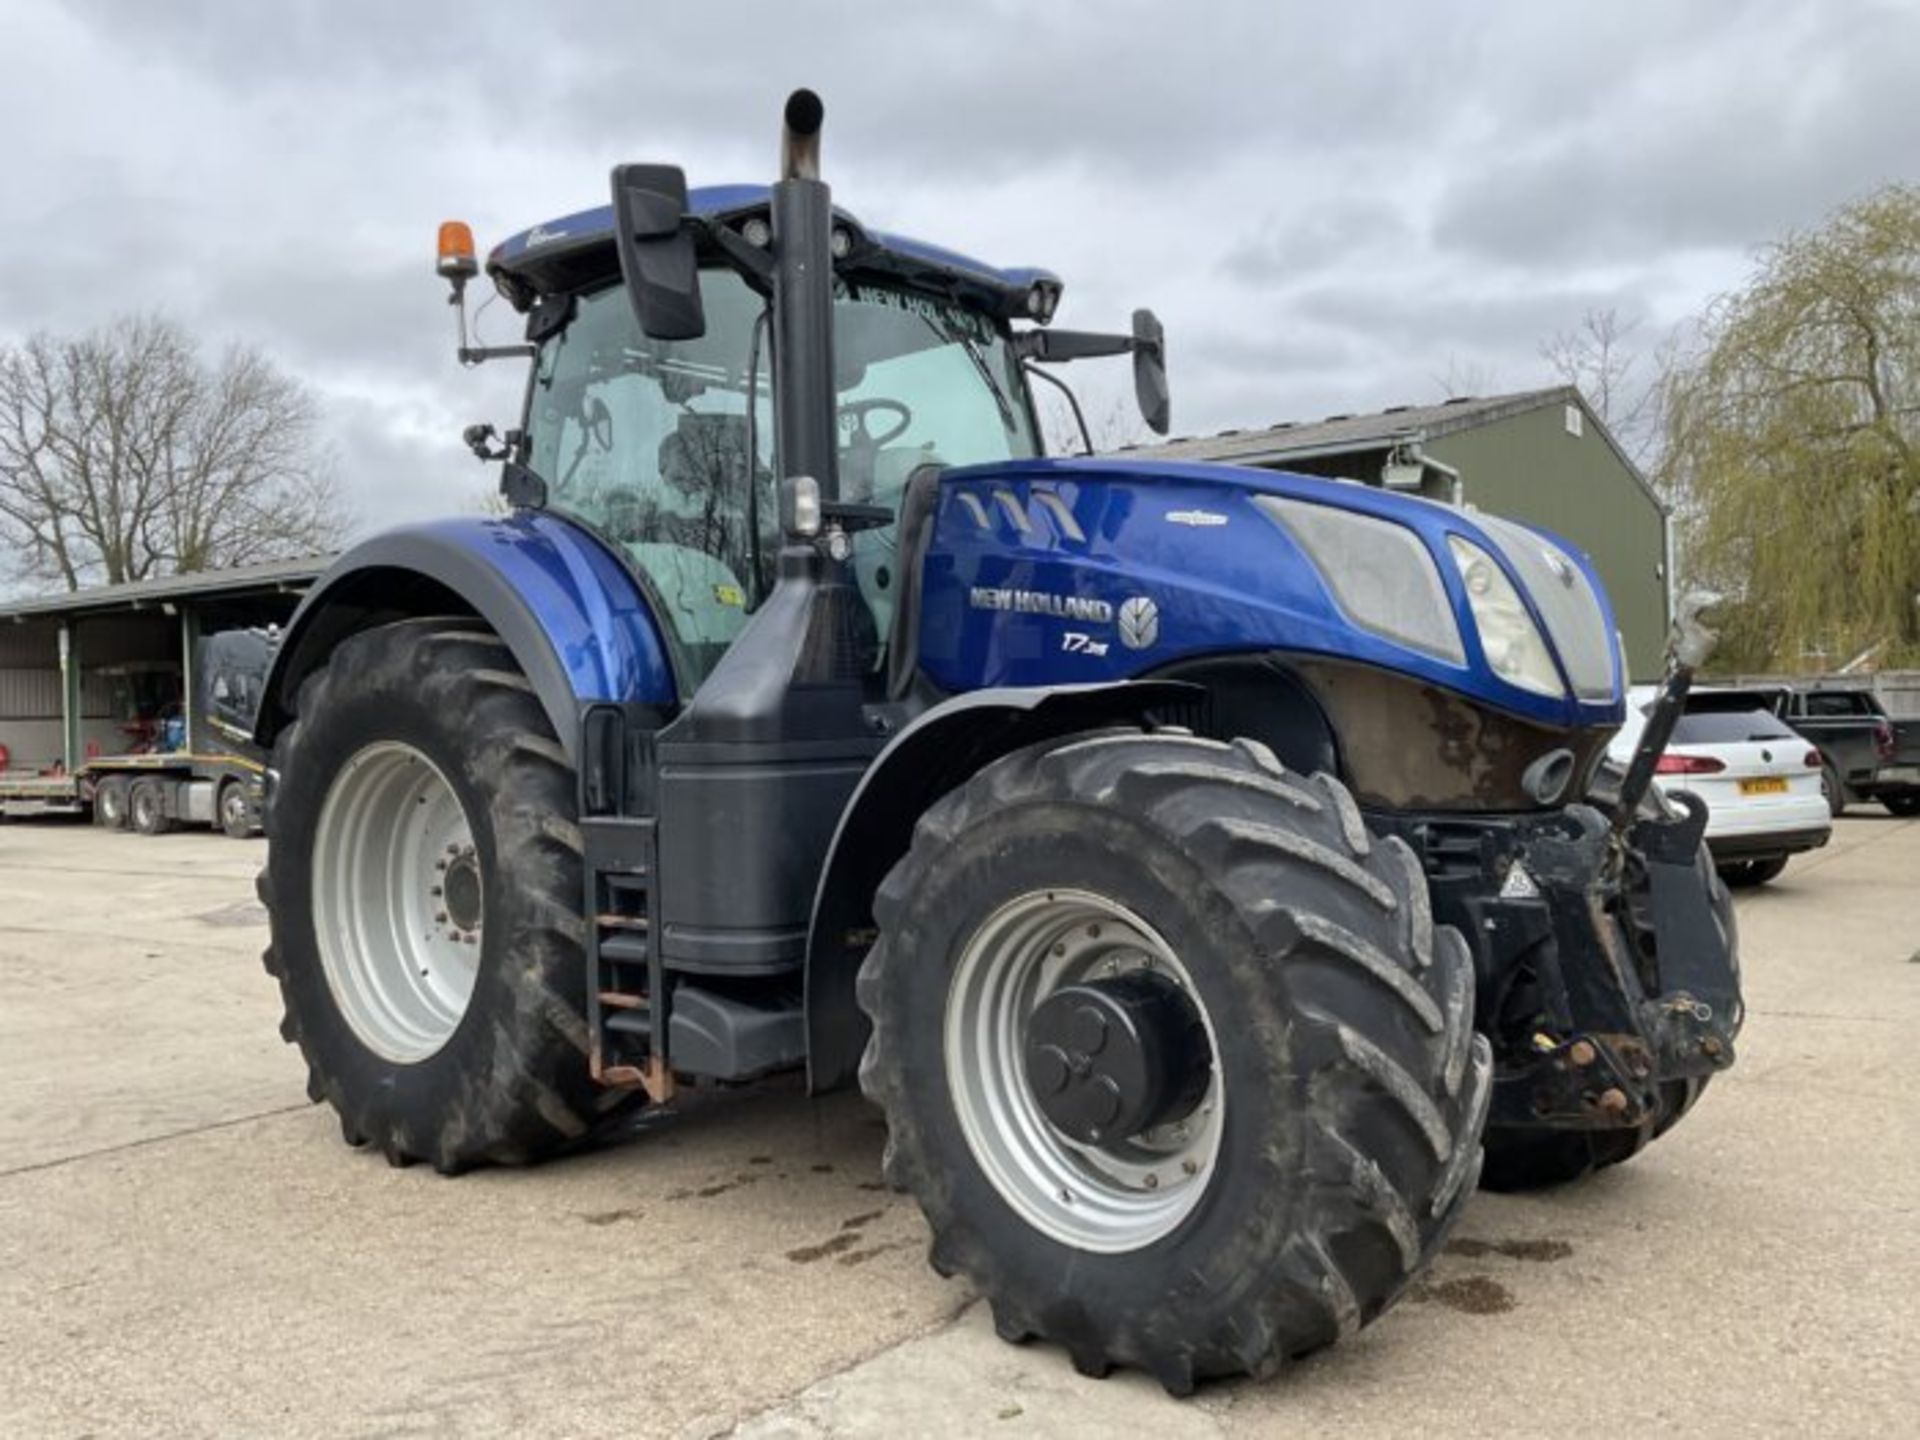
[{"x": 1139, "y": 621}]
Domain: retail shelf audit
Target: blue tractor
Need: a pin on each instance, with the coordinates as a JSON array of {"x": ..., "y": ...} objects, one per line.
[{"x": 1196, "y": 864}]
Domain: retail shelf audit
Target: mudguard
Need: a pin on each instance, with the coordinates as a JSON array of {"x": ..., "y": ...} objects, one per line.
[
  {"x": 574, "y": 617},
  {"x": 939, "y": 750}
]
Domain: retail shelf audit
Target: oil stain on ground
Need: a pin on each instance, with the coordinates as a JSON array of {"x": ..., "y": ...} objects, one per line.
[
  {"x": 1542, "y": 1251},
  {"x": 1470, "y": 1295}
]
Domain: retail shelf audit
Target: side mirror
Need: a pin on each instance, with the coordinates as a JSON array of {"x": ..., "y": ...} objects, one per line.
[
  {"x": 1150, "y": 371},
  {"x": 657, "y": 256}
]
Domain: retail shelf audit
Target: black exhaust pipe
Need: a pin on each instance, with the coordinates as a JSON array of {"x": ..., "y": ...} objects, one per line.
[
  {"x": 800, "y": 137},
  {"x": 802, "y": 214}
]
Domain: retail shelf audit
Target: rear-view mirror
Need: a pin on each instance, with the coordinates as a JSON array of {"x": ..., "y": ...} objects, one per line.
[
  {"x": 1150, "y": 371},
  {"x": 657, "y": 255}
]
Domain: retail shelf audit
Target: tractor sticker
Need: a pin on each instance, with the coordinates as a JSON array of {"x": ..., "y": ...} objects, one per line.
[{"x": 1040, "y": 602}]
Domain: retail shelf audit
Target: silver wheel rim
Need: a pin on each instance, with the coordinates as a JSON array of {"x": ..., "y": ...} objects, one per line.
[
  {"x": 234, "y": 807},
  {"x": 1109, "y": 1198},
  {"x": 397, "y": 901}
]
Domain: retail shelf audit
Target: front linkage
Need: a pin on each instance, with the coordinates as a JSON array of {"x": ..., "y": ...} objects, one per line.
[
  {"x": 1606, "y": 963},
  {"x": 1605, "y": 951}
]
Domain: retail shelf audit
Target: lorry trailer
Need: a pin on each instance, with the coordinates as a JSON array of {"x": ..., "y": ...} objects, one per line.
[{"x": 134, "y": 703}]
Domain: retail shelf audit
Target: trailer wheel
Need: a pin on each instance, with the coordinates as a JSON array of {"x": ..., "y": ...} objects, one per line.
[
  {"x": 425, "y": 889},
  {"x": 236, "y": 811},
  {"x": 1903, "y": 803},
  {"x": 1171, "y": 1054},
  {"x": 147, "y": 807},
  {"x": 110, "y": 803}
]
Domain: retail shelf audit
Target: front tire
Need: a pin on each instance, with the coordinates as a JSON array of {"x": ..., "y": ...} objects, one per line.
[
  {"x": 425, "y": 829},
  {"x": 1328, "y": 1140}
]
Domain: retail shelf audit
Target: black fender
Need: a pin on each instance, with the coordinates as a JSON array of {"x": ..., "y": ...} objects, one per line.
[
  {"x": 938, "y": 751},
  {"x": 574, "y": 617}
]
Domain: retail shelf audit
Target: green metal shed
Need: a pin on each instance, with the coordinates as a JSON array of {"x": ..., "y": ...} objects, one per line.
[{"x": 1540, "y": 456}]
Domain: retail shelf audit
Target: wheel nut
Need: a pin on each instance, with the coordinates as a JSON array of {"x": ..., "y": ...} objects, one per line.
[
  {"x": 1088, "y": 1033},
  {"x": 1582, "y": 1054},
  {"x": 1190, "y": 1167},
  {"x": 440, "y": 918},
  {"x": 1614, "y": 1101},
  {"x": 1152, "y": 1182}
]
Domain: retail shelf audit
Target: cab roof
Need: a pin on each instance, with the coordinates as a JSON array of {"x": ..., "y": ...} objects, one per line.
[{"x": 575, "y": 252}]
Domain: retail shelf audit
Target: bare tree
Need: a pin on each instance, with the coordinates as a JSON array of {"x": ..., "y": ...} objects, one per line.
[
  {"x": 1118, "y": 425},
  {"x": 1624, "y": 386},
  {"x": 1464, "y": 378},
  {"x": 123, "y": 455}
]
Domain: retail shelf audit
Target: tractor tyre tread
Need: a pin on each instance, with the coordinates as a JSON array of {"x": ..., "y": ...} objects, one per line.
[
  {"x": 511, "y": 1085},
  {"x": 1355, "y": 1011}
]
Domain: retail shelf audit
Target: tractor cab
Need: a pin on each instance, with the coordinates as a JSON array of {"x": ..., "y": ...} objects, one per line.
[
  {"x": 664, "y": 448},
  {"x": 663, "y": 439}
]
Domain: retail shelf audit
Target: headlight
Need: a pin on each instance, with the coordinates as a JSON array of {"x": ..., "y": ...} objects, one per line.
[
  {"x": 1507, "y": 633},
  {"x": 1380, "y": 573}
]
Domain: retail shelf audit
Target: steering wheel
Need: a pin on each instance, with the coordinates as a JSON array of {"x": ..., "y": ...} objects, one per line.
[
  {"x": 863, "y": 447},
  {"x": 853, "y": 420}
]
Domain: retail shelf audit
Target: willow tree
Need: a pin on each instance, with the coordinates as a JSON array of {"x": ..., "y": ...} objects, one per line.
[{"x": 1793, "y": 443}]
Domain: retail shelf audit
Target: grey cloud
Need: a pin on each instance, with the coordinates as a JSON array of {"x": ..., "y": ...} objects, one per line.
[
  {"x": 1288, "y": 249},
  {"x": 1328, "y": 206},
  {"x": 1697, "y": 156}
]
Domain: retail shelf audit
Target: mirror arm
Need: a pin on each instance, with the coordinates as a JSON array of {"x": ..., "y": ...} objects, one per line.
[
  {"x": 752, "y": 264},
  {"x": 1073, "y": 400}
]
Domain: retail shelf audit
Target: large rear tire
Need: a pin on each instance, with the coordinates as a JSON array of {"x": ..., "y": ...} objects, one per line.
[
  {"x": 425, "y": 889},
  {"x": 1336, "y": 1134},
  {"x": 1904, "y": 803}
]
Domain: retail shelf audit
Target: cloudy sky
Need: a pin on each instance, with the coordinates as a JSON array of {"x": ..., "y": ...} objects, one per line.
[{"x": 1333, "y": 207}]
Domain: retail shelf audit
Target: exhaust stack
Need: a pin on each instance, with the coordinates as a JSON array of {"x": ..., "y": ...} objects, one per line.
[
  {"x": 802, "y": 214},
  {"x": 800, "y": 136}
]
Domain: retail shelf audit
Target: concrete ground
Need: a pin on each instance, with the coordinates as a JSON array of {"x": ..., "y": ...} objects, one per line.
[{"x": 186, "y": 1247}]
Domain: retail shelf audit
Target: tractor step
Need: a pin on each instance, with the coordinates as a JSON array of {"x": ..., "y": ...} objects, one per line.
[{"x": 626, "y": 1028}]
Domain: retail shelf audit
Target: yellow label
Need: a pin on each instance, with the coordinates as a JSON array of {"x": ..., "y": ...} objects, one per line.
[{"x": 729, "y": 595}]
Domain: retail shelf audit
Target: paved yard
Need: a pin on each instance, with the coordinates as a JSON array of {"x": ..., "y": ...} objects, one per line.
[{"x": 186, "y": 1248}]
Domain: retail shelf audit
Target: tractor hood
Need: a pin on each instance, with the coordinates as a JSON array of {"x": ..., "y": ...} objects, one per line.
[{"x": 1145, "y": 564}]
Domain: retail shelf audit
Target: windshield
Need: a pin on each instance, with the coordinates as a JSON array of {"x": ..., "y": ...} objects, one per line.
[{"x": 647, "y": 440}]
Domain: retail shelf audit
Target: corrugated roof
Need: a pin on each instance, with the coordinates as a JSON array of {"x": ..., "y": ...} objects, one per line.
[
  {"x": 1337, "y": 433},
  {"x": 268, "y": 575}
]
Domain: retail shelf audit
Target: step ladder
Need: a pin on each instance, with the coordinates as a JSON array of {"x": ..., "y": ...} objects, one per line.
[{"x": 626, "y": 993}]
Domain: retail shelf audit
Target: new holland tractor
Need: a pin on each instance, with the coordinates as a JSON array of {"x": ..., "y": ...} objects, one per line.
[{"x": 1194, "y": 863}]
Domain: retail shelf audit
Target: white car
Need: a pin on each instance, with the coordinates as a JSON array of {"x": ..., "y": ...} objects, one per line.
[{"x": 1760, "y": 781}]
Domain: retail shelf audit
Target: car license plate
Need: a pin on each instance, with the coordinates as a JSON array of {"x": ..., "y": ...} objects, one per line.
[{"x": 1767, "y": 785}]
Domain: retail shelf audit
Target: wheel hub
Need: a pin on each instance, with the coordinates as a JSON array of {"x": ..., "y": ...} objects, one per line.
[
  {"x": 1080, "y": 1057},
  {"x": 1111, "y": 1058},
  {"x": 460, "y": 889}
]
